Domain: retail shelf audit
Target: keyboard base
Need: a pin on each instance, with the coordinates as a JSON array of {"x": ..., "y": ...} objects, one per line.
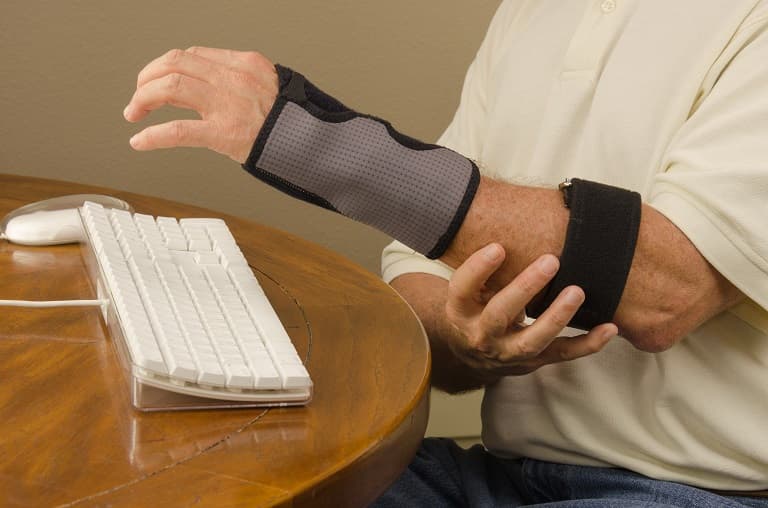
[{"x": 146, "y": 397}]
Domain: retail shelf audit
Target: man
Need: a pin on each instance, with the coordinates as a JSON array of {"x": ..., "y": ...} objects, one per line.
[{"x": 666, "y": 99}]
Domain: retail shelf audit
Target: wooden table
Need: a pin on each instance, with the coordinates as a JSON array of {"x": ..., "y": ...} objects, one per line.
[{"x": 69, "y": 436}]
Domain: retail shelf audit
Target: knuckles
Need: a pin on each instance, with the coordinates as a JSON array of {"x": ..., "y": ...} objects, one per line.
[
  {"x": 529, "y": 285},
  {"x": 564, "y": 354},
  {"x": 453, "y": 289},
  {"x": 177, "y": 131},
  {"x": 494, "y": 324},
  {"x": 476, "y": 343},
  {"x": 254, "y": 58},
  {"x": 245, "y": 79},
  {"x": 174, "y": 82},
  {"x": 173, "y": 56},
  {"x": 259, "y": 64},
  {"x": 526, "y": 350},
  {"x": 561, "y": 320},
  {"x": 169, "y": 59}
]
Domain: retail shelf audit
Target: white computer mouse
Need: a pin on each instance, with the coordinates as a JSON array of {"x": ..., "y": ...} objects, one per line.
[
  {"x": 46, "y": 227},
  {"x": 53, "y": 221}
]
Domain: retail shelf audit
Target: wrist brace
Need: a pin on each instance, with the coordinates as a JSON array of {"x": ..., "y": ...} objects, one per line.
[
  {"x": 599, "y": 247},
  {"x": 314, "y": 148}
]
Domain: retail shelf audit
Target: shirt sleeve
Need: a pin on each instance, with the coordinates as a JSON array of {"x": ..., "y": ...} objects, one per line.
[
  {"x": 464, "y": 135},
  {"x": 714, "y": 184}
]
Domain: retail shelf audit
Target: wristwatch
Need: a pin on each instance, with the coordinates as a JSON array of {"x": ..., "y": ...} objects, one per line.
[{"x": 565, "y": 187}]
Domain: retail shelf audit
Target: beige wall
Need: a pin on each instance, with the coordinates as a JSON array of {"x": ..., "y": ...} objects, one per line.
[{"x": 68, "y": 68}]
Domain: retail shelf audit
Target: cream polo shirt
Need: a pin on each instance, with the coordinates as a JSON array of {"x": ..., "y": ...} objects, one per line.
[{"x": 669, "y": 98}]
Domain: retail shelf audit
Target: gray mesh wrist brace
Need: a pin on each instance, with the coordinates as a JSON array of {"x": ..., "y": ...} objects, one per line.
[{"x": 314, "y": 148}]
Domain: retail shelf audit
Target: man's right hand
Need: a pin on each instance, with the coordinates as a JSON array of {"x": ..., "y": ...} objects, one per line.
[{"x": 233, "y": 92}]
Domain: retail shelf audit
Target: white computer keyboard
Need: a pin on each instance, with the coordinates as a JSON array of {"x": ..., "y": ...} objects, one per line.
[{"x": 192, "y": 316}]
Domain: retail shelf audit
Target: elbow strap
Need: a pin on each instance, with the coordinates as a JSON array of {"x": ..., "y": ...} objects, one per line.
[
  {"x": 599, "y": 247},
  {"x": 314, "y": 148}
]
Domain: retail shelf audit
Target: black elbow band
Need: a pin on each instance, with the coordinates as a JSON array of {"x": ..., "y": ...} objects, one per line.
[
  {"x": 599, "y": 247},
  {"x": 314, "y": 148}
]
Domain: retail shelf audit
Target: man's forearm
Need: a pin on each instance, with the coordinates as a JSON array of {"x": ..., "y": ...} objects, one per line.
[{"x": 671, "y": 289}]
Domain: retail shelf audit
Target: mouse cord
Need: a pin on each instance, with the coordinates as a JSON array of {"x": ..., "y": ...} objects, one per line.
[{"x": 54, "y": 303}]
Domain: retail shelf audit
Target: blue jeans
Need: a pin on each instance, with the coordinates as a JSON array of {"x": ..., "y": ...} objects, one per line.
[{"x": 444, "y": 475}]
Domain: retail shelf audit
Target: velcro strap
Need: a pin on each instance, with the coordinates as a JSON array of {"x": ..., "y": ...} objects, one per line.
[{"x": 599, "y": 247}]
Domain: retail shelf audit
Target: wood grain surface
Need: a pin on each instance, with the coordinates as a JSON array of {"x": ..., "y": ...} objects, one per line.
[{"x": 70, "y": 437}]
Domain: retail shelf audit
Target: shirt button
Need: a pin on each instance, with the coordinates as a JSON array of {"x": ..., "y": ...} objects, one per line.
[{"x": 608, "y": 6}]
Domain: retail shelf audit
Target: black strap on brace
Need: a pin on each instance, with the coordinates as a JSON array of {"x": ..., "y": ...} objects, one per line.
[{"x": 599, "y": 247}]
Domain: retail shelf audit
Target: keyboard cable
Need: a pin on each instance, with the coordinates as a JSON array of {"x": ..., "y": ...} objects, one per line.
[{"x": 51, "y": 303}]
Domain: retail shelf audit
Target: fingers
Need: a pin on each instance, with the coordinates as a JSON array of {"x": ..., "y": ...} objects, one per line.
[
  {"x": 180, "y": 62},
  {"x": 559, "y": 313},
  {"x": 570, "y": 348},
  {"x": 468, "y": 281},
  {"x": 220, "y": 55},
  {"x": 175, "y": 133},
  {"x": 505, "y": 307},
  {"x": 534, "y": 339},
  {"x": 233, "y": 91},
  {"x": 175, "y": 89},
  {"x": 488, "y": 326},
  {"x": 246, "y": 61},
  {"x": 562, "y": 349}
]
